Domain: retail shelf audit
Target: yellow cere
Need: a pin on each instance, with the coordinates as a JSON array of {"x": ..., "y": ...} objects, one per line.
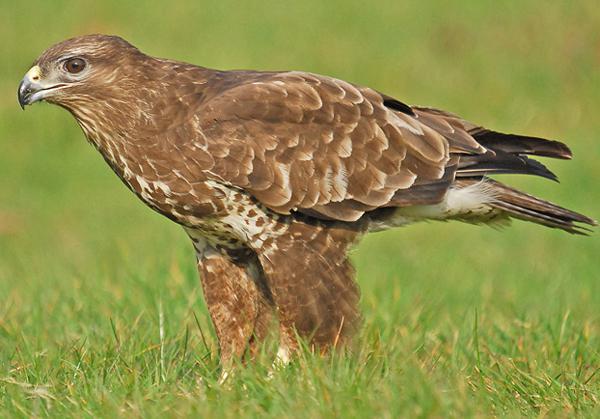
[{"x": 34, "y": 73}]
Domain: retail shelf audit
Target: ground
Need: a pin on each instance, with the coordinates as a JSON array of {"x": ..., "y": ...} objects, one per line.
[{"x": 101, "y": 312}]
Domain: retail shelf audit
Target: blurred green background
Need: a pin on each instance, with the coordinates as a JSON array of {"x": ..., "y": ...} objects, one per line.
[{"x": 460, "y": 319}]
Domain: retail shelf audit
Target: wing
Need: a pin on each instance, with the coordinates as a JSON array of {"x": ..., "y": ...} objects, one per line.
[{"x": 318, "y": 145}]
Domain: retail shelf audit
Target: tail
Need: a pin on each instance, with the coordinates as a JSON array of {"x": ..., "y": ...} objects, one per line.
[{"x": 508, "y": 153}]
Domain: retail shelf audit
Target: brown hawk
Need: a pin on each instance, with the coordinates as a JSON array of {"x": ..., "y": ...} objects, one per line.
[{"x": 274, "y": 175}]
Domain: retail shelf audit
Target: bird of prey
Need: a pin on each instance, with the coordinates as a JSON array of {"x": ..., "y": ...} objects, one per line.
[{"x": 275, "y": 174}]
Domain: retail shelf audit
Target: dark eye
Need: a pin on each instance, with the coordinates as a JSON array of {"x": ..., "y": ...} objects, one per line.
[{"x": 74, "y": 65}]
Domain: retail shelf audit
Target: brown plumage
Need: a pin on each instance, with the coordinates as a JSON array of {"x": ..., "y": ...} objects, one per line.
[{"x": 274, "y": 175}]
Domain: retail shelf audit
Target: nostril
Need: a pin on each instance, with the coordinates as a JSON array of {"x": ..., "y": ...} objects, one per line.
[{"x": 35, "y": 78}]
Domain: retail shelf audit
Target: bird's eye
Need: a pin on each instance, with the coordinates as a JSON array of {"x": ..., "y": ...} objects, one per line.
[{"x": 74, "y": 65}]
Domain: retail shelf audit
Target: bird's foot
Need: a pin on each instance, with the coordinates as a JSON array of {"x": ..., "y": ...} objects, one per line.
[{"x": 282, "y": 359}]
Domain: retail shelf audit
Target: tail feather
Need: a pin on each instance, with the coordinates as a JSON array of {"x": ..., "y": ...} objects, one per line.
[
  {"x": 526, "y": 207},
  {"x": 507, "y": 153}
]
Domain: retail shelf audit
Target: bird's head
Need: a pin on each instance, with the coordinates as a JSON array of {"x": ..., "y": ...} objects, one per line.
[{"x": 78, "y": 71}]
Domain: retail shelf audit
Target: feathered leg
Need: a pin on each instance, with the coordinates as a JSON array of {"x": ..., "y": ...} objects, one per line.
[
  {"x": 238, "y": 305},
  {"x": 312, "y": 283}
]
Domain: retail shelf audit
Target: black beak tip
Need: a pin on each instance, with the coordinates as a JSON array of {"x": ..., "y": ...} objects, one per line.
[
  {"x": 23, "y": 95},
  {"x": 20, "y": 96}
]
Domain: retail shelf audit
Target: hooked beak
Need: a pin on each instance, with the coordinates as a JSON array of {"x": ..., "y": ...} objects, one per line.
[
  {"x": 23, "y": 93},
  {"x": 32, "y": 89}
]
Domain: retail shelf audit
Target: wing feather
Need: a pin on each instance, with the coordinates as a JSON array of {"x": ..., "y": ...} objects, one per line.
[{"x": 302, "y": 142}]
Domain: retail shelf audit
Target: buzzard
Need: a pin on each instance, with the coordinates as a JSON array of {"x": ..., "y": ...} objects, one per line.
[{"x": 275, "y": 174}]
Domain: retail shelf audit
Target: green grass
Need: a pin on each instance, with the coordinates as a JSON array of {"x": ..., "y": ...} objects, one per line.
[{"x": 459, "y": 320}]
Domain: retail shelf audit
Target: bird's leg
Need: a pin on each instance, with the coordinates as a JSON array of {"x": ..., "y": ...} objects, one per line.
[
  {"x": 312, "y": 283},
  {"x": 237, "y": 306},
  {"x": 264, "y": 315},
  {"x": 231, "y": 303},
  {"x": 288, "y": 345}
]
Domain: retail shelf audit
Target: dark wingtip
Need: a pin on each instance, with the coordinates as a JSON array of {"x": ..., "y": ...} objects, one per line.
[
  {"x": 501, "y": 162},
  {"x": 563, "y": 150},
  {"x": 522, "y": 144}
]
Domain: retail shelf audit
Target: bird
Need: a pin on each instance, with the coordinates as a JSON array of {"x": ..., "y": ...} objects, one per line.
[{"x": 275, "y": 175}]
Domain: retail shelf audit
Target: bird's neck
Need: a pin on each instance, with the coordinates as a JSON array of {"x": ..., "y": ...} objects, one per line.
[
  {"x": 108, "y": 128},
  {"x": 133, "y": 126}
]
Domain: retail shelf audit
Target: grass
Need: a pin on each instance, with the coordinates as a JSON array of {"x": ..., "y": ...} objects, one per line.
[{"x": 101, "y": 312}]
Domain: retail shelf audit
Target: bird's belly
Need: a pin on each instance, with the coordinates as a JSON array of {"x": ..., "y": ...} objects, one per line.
[
  {"x": 246, "y": 227},
  {"x": 235, "y": 220}
]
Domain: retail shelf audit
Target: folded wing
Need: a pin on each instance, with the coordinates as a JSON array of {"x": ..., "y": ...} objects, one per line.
[{"x": 322, "y": 146}]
